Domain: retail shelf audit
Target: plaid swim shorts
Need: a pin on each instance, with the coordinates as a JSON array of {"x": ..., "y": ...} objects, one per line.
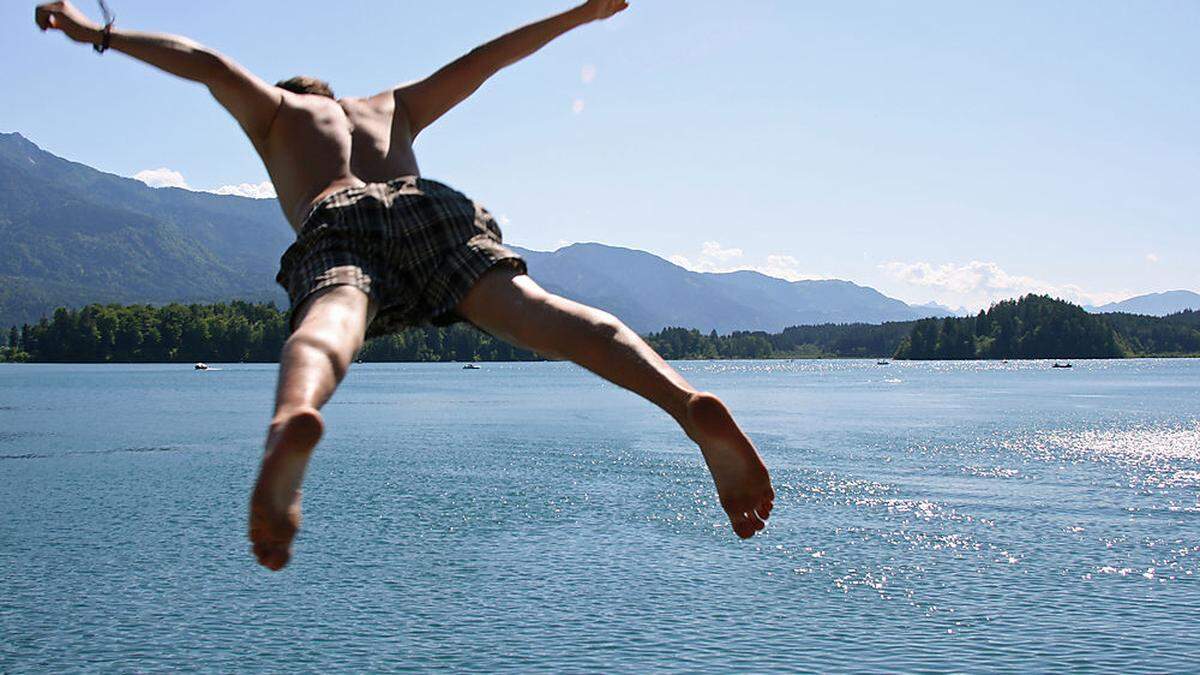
[{"x": 413, "y": 245}]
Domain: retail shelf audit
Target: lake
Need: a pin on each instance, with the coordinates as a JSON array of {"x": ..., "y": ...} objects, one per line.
[{"x": 935, "y": 516}]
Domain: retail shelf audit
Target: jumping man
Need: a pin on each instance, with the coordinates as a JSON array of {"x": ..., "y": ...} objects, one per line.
[{"x": 380, "y": 248}]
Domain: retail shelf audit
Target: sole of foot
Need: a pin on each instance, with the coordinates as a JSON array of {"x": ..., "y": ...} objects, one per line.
[
  {"x": 742, "y": 480},
  {"x": 275, "y": 501}
]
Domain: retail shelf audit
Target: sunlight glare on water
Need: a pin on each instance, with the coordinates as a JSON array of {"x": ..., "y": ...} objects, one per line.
[{"x": 930, "y": 516}]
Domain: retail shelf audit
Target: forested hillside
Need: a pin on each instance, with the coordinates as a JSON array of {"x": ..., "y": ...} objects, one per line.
[
  {"x": 72, "y": 235},
  {"x": 1172, "y": 335},
  {"x": 1033, "y": 327}
]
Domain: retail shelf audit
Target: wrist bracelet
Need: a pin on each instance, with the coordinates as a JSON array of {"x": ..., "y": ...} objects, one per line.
[
  {"x": 106, "y": 34},
  {"x": 105, "y": 39}
]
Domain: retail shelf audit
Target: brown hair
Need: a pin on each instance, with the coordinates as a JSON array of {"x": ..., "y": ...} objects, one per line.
[{"x": 302, "y": 84}]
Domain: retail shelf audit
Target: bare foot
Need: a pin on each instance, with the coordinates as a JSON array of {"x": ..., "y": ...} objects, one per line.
[
  {"x": 275, "y": 502},
  {"x": 741, "y": 477}
]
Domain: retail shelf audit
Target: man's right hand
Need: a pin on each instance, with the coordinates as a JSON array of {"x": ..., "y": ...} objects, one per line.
[
  {"x": 65, "y": 17},
  {"x": 602, "y": 9}
]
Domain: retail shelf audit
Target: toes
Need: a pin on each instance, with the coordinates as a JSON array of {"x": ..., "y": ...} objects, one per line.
[
  {"x": 743, "y": 529},
  {"x": 273, "y": 558},
  {"x": 758, "y": 523},
  {"x": 746, "y": 524},
  {"x": 277, "y": 560},
  {"x": 764, "y": 510},
  {"x": 261, "y": 551}
]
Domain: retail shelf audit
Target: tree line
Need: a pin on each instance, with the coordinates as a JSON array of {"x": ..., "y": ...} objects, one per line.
[
  {"x": 1031, "y": 327},
  {"x": 221, "y": 333},
  {"x": 1041, "y": 327},
  {"x": 1174, "y": 335},
  {"x": 855, "y": 340},
  {"x": 225, "y": 332}
]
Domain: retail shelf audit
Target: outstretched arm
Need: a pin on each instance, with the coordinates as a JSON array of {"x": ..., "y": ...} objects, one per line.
[
  {"x": 427, "y": 100},
  {"x": 250, "y": 100}
]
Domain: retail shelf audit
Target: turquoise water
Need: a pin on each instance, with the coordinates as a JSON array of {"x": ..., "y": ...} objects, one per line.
[{"x": 932, "y": 516}]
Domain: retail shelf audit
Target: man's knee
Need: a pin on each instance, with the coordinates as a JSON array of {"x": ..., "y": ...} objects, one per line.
[{"x": 316, "y": 345}]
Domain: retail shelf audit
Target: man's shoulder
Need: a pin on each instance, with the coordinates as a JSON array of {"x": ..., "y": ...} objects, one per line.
[
  {"x": 378, "y": 108},
  {"x": 311, "y": 106},
  {"x": 383, "y": 102}
]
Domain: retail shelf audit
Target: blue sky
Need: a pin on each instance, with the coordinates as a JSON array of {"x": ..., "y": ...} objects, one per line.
[{"x": 948, "y": 151}]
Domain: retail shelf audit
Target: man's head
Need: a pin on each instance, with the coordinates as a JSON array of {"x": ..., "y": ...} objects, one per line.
[{"x": 303, "y": 84}]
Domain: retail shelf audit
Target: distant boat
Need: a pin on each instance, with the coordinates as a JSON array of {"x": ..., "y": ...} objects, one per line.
[
  {"x": 471, "y": 366},
  {"x": 201, "y": 366},
  {"x": 1061, "y": 365},
  {"x": 882, "y": 362}
]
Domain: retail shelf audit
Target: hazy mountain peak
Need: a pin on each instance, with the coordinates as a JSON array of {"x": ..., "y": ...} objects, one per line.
[
  {"x": 1153, "y": 304},
  {"x": 651, "y": 293}
]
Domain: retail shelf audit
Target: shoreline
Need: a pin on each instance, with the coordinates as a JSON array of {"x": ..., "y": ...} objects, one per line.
[{"x": 891, "y": 360}]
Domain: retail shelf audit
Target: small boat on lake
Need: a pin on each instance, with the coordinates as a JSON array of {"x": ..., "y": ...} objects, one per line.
[
  {"x": 1061, "y": 365},
  {"x": 471, "y": 366},
  {"x": 201, "y": 366},
  {"x": 882, "y": 362}
]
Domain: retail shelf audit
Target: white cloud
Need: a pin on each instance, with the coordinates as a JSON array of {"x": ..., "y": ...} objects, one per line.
[
  {"x": 716, "y": 258},
  {"x": 164, "y": 177},
  {"x": 587, "y": 74},
  {"x": 1151, "y": 257},
  {"x": 712, "y": 250},
  {"x": 263, "y": 190},
  {"x": 784, "y": 267},
  {"x": 978, "y": 284},
  {"x": 578, "y": 105}
]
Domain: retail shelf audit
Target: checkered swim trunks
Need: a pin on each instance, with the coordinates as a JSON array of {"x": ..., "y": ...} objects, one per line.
[{"x": 414, "y": 245}]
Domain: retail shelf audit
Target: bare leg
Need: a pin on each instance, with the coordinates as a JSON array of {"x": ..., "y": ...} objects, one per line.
[
  {"x": 329, "y": 331},
  {"x": 512, "y": 306}
]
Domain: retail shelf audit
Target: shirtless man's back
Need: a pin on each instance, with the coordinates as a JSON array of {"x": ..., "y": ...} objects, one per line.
[
  {"x": 318, "y": 145},
  {"x": 379, "y": 248}
]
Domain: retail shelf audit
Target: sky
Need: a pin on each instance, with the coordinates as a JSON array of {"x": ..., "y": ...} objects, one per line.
[{"x": 953, "y": 152}]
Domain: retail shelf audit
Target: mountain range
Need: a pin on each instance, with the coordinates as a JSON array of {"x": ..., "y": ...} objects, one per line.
[
  {"x": 1152, "y": 304},
  {"x": 74, "y": 235},
  {"x": 650, "y": 293}
]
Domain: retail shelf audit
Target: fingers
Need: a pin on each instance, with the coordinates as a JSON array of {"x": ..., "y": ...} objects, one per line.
[
  {"x": 46, "y": 14},
  {"x": 48, "y": 20}
]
